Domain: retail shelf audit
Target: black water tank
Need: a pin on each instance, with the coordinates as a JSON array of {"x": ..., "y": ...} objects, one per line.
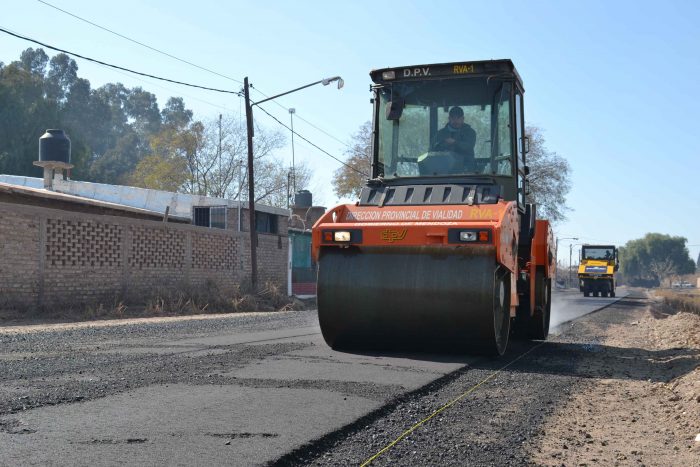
[
  {"x": 302, "y": 199},
  {"x": 54, "y": 146}
]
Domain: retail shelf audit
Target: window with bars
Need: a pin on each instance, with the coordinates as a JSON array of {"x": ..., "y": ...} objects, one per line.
[
  {"x": 210, "y": 216},
  {"x": 265, "y": 222}
]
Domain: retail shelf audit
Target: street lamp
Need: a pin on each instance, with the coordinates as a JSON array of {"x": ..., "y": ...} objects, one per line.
[
  {"x": 556, "y": 275},
  {"x": 251, "y": 180}
]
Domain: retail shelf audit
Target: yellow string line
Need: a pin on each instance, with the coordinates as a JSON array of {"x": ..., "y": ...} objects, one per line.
[{"x": 444, "y": 407}]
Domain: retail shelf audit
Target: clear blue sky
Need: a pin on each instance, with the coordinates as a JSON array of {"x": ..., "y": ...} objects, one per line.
[{"x": 613, "y": 84}]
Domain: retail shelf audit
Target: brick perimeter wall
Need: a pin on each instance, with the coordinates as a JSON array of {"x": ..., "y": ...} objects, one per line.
[{"x": 50, "y": 256}]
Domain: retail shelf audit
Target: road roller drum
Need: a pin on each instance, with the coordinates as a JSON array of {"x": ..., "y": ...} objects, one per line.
[{"x": 426, "y": 298}]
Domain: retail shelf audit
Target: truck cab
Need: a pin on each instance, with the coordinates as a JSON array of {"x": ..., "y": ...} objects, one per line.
[{"x": 596, "y": 271}]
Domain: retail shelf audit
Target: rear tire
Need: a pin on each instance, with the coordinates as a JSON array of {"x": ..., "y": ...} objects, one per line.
[
  {"x": 501, "y": 312},
  {"x": 539, "y": 323}
]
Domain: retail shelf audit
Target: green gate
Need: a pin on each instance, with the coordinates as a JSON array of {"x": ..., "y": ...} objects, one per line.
[{"x": 303, "y": 268}]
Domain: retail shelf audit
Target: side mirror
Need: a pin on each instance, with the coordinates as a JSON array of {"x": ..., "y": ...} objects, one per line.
[
  {"x": 394, "y": 108},
  {"x": 527, "y": 187}
]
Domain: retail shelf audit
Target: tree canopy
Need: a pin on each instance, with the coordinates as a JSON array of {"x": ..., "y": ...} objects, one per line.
[
  {"x": 655, "y": 257},
  {"x": 550, "y": 178},
  {"x": 121, "y": 135},
  {"x": 346, "y": 181}
]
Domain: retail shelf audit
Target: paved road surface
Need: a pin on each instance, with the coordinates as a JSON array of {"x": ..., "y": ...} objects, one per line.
[
  {"x": 236, "y": 390},
  {"x": 569, "y": 304}
]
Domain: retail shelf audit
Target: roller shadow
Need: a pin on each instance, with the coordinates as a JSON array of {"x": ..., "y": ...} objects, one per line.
[{"x": 597, "y": 361}]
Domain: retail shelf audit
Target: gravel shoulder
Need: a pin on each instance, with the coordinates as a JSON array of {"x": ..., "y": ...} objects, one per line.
[
  {"x": 643, "y": 409},
  {"x": 616, "y": 387}
]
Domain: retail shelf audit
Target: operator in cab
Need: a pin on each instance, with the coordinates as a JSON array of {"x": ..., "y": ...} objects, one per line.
[{"x": 457, "y": 137}]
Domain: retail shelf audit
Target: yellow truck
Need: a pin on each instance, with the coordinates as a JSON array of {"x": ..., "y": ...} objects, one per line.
[{"x": 596, "y": 270}]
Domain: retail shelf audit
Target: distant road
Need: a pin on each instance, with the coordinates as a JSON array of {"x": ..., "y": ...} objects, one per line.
[
  {"x": 231, "y": 389},
  {"x": 569, "y": 304}
]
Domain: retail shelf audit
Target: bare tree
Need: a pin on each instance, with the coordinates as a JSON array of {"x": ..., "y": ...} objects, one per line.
[
  {"x": 664, "y": 268},
  {"x": 346, "y": 181},
  {"x": 550, "y": 178},
  {"x": 212, "y": 159}
]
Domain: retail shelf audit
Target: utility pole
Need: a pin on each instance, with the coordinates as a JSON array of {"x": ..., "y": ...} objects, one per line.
[
  {"x": 251, "y": 181},
  {"x": 251, "y": 188},
  {"x": 294, "y": 174},
  {"x": 221, "y": 180},
  {"x": 571, "y": 248},
  {"x": 556, "y": 270}
]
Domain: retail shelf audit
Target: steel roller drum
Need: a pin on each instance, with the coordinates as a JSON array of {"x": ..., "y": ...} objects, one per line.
[{"x": 429, "y": 298}]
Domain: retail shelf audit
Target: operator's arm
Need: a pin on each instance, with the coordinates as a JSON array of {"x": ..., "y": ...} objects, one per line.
[
  {"x": 443, "y": 142},
  {"x": 467, "y": 141}
]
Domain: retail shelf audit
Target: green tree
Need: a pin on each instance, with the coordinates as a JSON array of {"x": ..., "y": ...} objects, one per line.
[
  {"x": 63, "y": 73},
  {"x": 175, "y": 115},
  {"x": 348, "y": 182},
  {"x": 24, "y": 114},
  {"x": 142, "y": 108},
  {"x": 160, "y": 172},
  {"x": 116, "y": 164},
  {"x": 33, "y": 61},
  {"x": 656, "y": 257}
]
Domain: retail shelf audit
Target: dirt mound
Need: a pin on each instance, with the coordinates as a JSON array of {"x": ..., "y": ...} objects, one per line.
[{"x": 649, "y": 417}]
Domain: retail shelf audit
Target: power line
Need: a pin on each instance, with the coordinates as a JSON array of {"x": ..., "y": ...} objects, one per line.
[
  {"x": 189, "y": 96},
  {"x": 237, "y": 93},
  {"x": 312, "y": 144},
  {"x": 137, "y": 42},
  {"x": 186, "y": 62},
  {"x": 117, "y": 66}
]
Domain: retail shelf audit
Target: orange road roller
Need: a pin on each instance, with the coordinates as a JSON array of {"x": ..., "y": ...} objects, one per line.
[{"x": 442, "y": 251}]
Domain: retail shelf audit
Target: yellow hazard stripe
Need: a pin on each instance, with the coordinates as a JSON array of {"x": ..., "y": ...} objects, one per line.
[{"x": 445, "y": 407}]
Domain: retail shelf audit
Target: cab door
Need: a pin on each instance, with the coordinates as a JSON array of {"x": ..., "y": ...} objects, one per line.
[{"x": 522, "y": 147}]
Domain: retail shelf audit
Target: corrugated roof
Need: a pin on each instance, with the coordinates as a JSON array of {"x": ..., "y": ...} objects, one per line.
[
  {"x": 53, "y": 195},
  {"x": 142, "y": 198}
]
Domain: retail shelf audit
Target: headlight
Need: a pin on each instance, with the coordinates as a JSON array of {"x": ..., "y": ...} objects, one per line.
[
  {"x": 470, "y": 236},
  {"x": 467, "y": 236},
  {"x": 341, "y": 236}
]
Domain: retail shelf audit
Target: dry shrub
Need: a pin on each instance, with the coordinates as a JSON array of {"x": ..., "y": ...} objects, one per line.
[
  {"x": 212, "y": 297},
  {"x": 162, "y": 300},
  {"x": 687, "y": 301}
]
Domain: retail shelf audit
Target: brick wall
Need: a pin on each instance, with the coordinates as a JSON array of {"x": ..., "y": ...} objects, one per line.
[
  {"x": 50, "y": 256},
  {"x": 19, "y": 258}
]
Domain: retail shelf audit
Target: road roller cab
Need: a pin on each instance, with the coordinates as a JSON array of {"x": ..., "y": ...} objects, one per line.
[{"x": 441, "y": 250}]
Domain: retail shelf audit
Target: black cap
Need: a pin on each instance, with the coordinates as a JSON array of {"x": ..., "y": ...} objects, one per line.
[{"x": 456, "y": 112}]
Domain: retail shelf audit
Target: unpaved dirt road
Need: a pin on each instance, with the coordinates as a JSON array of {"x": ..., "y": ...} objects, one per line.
[{"x": 264, "y": 389}]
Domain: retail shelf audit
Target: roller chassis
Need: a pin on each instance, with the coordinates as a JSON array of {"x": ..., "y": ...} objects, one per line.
[{"x": 409, "y": 285}]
